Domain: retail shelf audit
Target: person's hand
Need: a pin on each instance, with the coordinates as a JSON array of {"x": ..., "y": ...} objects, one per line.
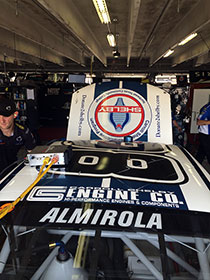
[{"x": 179, "y": 128}]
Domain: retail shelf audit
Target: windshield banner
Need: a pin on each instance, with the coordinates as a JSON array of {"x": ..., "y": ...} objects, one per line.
[{"x": 115, "y": 110}]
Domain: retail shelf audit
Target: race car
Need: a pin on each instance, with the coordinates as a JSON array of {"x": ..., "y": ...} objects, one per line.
[{"x": 114, "y": 207}]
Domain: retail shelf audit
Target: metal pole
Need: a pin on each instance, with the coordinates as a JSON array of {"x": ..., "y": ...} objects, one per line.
[
  {"x": 142, "y": 258},
  {"x": 95, "y": 253},
  {"x": 4, "y": 254},
  {"x": 163, "y": 256},
  {"x": 203, "y": 260}
]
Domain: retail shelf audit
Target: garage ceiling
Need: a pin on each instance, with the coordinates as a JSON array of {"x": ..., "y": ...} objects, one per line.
[{"x": 67, "y": 35}]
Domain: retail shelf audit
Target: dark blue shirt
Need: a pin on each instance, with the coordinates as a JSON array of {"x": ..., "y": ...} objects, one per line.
[{"x": 9, "y": 146}]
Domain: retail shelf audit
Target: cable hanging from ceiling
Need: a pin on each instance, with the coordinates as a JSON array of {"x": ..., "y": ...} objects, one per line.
[{"x": 116, "y": 52}]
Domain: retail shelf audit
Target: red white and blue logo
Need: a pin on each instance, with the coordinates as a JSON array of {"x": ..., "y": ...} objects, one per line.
[{"x": 118, "y": 113}]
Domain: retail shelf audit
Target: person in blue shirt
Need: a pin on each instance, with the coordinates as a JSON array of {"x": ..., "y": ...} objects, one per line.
[
  {"x": 13, "y": 136},
  {"x": 203, "y": 123}
]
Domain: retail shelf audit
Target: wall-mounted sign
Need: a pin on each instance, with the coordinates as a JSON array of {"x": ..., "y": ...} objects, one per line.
[{"x": 199, "y": 76}]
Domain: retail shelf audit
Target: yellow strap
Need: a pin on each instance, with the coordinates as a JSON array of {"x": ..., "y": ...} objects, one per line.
[{"x": 11, "y": 205}]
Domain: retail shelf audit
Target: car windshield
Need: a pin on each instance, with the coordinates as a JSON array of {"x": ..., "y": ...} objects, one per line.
[{"x": 93, "y": 253}]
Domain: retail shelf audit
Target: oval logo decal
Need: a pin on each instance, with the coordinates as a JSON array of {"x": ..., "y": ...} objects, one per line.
[{"x": 118, "y": 113}]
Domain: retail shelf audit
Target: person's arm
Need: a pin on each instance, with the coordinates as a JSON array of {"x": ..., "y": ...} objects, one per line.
[
  {"x": 203, "y": 122},
  {"x": 176, "y": 125},
  {"x": 30, "y": 142}
]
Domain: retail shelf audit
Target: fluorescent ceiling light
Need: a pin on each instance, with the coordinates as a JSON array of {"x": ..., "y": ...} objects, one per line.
[
  {"x": 169, "y": 52},
  {"x": 187, "y": 39},
  {"x": 111, "y": 40},
  {"x": 102, "y": 10},
  {"x": 124, "y": 75}
]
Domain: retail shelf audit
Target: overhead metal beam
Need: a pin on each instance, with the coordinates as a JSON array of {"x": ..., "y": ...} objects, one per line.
[
  {"x": 24, "y": 23},
  {"x": 203, "y": 59},
  {"x": 71, "y": 18},
  {"x": 196, "y": 19},
  {"x": 150, "y": 36},
  {"x": 132, "y": 21},
  {"x": 19, "y": 44},
  {"x": 6, "y": 59},
  {"x": 197, "y": 50},
  {"x": 12, "y": 55}
]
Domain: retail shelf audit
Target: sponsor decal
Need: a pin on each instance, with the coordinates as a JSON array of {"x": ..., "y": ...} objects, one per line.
[
  {"x": 101, "y": 217},
  {"x": 81, "y": 114},
  {"x": 157, "y": 116},
  {"x": 118, "y": 113},
  {"x": 141, "y": 197}
]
